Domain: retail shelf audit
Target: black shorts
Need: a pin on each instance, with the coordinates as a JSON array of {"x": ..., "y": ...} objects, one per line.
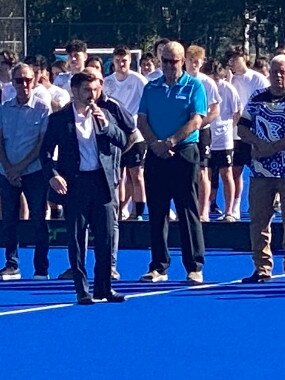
[
  {"x": 204, "y": 146},
  {"x": 135, "y": 156},
  {"x": 221, "y": 158},
  {"x": 242, "y": 153}
]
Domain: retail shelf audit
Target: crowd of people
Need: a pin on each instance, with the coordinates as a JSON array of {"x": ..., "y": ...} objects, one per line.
[{"x": 95, "y": 149}]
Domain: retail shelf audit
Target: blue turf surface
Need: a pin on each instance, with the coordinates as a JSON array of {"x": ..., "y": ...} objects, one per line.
[{"x": 220, "y": 332}]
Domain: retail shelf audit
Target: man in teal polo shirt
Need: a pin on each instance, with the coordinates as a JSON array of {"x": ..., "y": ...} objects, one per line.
[{"x": 170, "y": 115}]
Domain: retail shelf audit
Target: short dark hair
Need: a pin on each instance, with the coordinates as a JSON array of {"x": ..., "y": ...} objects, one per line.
[
  {"x": 60, "y": 64},
  {"x": 95, "y": 58},
  {"x": 214, "y": 67},
  {"x": 76, "y": 46},
  {"x": 261, "y": 62},
  {"x": 81, "y": 77},
  {"x": 236, "y": 51},
  {"x": 37, "y": 60},
  {"x": 148, "y": 56},
  {"x": 121, "y": 50},
  {"x": 163, "y": 41}
]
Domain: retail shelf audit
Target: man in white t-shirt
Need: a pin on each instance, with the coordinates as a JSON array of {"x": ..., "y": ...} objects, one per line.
[
  {"x": 126, "y": 86},
  {"x": 77, "y": 56},
  {"x": 222, "y": 134},
  {"x": 246, "y": 81},
  {"x": 195, "y": 56},
  {"x": 59, "y": 96}
]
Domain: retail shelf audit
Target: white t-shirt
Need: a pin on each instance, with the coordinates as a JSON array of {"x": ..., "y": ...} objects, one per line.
[
  {"x": 246, "y": 84},
  {"x": 211, "y": 88},
  {"x": 59, "y": 95},
  {"x": 222, "y": 127},
  {"x": 41, "y": 92},
  {"x": 157, "y": 73},
  {"x": 128, "y": 91}
]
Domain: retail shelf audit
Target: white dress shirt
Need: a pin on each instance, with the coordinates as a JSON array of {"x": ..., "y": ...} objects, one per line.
[{"x": 86, "y": 136}]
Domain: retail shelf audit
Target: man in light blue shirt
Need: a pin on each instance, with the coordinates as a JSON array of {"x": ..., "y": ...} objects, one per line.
[
  {"x": 23, "y": 122},
  {"x": 170, "y": 115}
]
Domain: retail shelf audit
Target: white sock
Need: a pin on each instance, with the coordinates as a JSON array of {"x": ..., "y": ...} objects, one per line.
[{"x": 236, "y": 206}]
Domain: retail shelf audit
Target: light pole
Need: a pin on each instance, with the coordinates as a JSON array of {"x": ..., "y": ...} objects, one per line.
[{"x": 25, "y": 29}]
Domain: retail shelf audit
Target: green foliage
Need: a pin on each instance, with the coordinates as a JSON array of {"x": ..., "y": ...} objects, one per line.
[{"x": 214, "y": 24}]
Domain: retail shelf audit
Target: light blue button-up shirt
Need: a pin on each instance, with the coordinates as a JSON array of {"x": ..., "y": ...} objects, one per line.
[{"x": 22, "y": 125}]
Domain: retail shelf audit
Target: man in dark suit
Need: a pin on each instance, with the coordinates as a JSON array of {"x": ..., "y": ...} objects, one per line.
[{"x": 84, "y": 175}]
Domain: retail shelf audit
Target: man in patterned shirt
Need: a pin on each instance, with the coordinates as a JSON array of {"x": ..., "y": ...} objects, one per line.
[{"x": 263, "y": 126}]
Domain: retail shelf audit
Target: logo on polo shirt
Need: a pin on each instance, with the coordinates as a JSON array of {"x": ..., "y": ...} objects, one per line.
[{"x": 180, "y": 97}]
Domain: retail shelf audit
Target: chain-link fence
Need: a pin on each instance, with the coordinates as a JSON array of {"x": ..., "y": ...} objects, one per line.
[{"x": 12, "y": 25}]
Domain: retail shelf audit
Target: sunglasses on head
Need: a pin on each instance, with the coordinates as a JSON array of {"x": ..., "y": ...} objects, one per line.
[
  {"x": 171, "y": 61},
  {"x": 23, "y": 80}
]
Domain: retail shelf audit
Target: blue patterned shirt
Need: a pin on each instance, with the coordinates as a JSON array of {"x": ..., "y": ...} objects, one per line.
[{"x": 264, "y": 115}]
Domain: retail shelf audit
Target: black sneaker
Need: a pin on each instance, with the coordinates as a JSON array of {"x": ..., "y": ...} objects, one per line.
[
  {"x": 215, "y": 209},
  {"x": 256, "y": 278}
]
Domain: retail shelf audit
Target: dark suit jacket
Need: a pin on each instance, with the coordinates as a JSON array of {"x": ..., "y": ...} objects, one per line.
[{"x": 61, "y": 132}]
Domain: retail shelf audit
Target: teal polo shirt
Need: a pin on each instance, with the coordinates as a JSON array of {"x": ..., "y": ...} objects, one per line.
[{"x": 168, "y": 109}]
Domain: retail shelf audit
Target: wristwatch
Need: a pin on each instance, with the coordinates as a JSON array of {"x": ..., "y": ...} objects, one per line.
[{"x": 170, "y": 142}]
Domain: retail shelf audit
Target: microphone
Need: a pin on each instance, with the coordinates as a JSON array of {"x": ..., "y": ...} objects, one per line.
[{"x": 100, "y": 123}]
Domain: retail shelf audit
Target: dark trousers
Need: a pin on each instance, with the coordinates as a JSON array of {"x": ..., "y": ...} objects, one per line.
[
  {"x": 34, "y": 188},
  {"x": 89, "y": 202},
  {"x": 174, "y": 178}
]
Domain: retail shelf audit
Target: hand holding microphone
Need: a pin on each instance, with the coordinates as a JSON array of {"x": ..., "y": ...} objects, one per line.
[{"x": 99, "y": 116}]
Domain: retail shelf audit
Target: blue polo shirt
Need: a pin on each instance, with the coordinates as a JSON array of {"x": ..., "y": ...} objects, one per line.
[{"x": 168, "y": 109}]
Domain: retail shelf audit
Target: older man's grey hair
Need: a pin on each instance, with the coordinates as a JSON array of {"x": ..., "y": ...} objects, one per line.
[
  {"x": 174, "y": 46},
  {"x": 280, "y": 58},
  {"x": 21, "y": 66}
]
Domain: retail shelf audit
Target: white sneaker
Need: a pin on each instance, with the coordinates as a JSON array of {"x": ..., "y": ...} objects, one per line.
[
  {"x": 195, "y": 278},
  {"x": 154, "y": 276}
]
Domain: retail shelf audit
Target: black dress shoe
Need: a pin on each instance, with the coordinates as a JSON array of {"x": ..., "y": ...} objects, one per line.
[
  {"x": 256, "y": 278},
  {"x": 87, "y": 300},
  {"x": 114, "y": 297}
]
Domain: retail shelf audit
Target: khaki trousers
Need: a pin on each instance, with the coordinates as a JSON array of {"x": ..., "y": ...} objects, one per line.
[{"x": 261, "y": 198}]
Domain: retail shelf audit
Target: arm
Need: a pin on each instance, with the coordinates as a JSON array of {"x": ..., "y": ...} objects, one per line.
[
  {"x": 236, "y": 117},
  {"x": 159, "y": 147},
  {"x": 192, "y": 125},
  {"x": 56, "y": 181},
  {"x": 213, "y": 113},
  {"x": 3, "y": 157},
  {"x": 260, "y": 148},
  {"x": 106, "y": 125},
  {"x": 15, "y": 171}
]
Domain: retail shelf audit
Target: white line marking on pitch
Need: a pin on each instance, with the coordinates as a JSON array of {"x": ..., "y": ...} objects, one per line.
[
  {"x": 22, "y": 311},
  {"x": 195, "y": 287}
]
